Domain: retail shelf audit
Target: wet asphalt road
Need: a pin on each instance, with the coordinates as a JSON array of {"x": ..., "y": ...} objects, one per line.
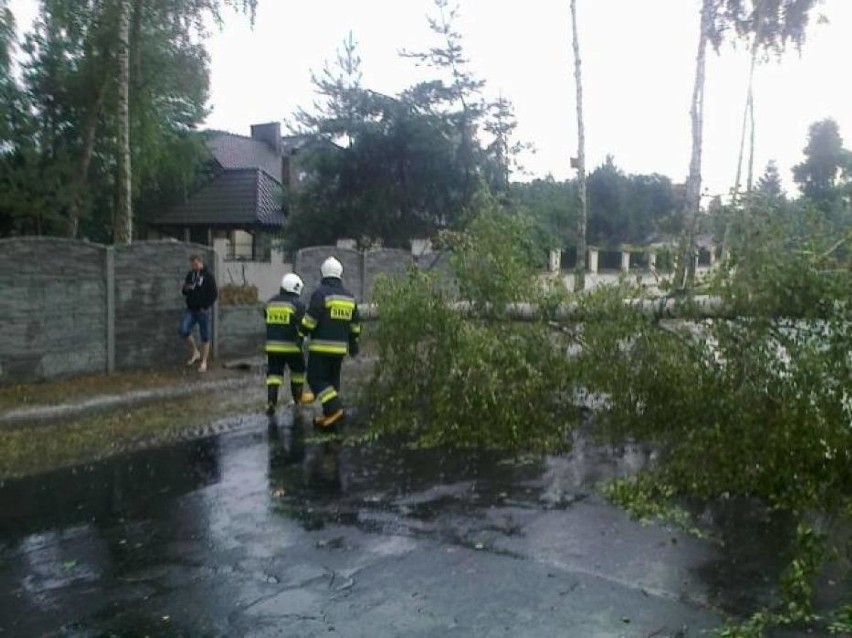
[{"x": 258, "y": 534}]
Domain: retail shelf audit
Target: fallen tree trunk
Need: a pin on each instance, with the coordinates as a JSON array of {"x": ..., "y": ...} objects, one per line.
[{"x": 702, "y": 307}]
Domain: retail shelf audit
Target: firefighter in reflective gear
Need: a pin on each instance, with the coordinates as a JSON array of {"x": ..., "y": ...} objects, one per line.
[
  {"x": 333, "y": 327},
  {"x": 284, "y": 313}
]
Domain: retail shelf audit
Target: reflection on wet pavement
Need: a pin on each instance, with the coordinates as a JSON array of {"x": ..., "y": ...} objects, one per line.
[{"x": 263, "y": 532}]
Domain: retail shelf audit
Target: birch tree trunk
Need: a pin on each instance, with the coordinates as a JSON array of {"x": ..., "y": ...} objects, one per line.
[
  {"x": 90, "y": 128},
  {"x": 685, "y": 273},
  {"x": 123, "y": 228},
  {"x": 748, "y": 125},
  {"x": 580, "y": 267}
]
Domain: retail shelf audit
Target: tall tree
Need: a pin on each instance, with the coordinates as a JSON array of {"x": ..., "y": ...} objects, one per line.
[
  {"x": 7, "y": 41},
  {"x": 709, "y": 33},
  {"x": 8, "y": 86},
  {"x": 552, "y": 207},
  {"x": 770, "y": 26},
  {"x": 123, "y": 228},
  {"x": 337, "y": 111},
  {"x": 769, "y": 184},
  {"x": 826, "y": 161},
  {"x": 504, "y": 150},
  {"x": 71, "y": 78},
  {"x": 580, "y": 268},
  {"x": 456, "y": 94}
]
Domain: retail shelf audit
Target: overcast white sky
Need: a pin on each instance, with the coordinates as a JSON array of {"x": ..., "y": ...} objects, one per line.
[{"x": 638, "y": 65}]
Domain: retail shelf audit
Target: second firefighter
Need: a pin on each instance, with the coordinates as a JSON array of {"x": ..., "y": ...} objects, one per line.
[{"x": 334, "y": 328}]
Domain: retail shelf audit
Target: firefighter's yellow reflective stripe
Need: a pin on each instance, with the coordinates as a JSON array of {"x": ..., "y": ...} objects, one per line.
[
  {"x": 327, "y": 395},
  {"x": 274, "y": 379},
  {"x": 309, "y": 322},
  {"x": 297, "y": 378},
  {"x": 328, "y": 347},
  {"x": 282, "y": 347},
  {"x": 279, "y": 313},
  {"x": 281, "y": 304},
  {"x": 340, "y": 300},
  {"x": 355, "y": 328}
]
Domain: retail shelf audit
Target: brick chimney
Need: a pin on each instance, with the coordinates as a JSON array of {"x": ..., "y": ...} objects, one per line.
[{"x": 269, "y": 133}]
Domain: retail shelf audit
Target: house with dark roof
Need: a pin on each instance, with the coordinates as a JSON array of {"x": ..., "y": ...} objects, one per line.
[{"x": 243, "y": 202}]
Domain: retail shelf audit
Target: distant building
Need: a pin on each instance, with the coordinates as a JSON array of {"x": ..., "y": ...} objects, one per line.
[{"x": 244, "y": 201}]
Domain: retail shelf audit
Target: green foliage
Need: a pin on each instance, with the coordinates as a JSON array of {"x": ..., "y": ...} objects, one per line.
[
  {"x": 752, "y": 404},
  {"x": 443, "y": 379},
  {"x": 623, "y": 209},
  {"x": 769, "y": 184},
  {"x": 770, "y": 25},
  {"x": 827, "y": 164},
  {"x": 649, "y": 500},
  {"x": 840, "y": 622},
  {"x": 394, "y": 180},
  {"x": 552, "y": 208},
  {"x": 754, "y": 627},
  {"x": 808, "y": 554},
  {"x": 797, "y": 580},
  {"x": 393, "y": 168},
  {"x": 495, "y": 260},
  {"x": 58, "y": 161},
  {"x": 629, "y": 208}
]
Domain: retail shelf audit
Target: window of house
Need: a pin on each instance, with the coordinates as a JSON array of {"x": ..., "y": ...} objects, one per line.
[{"x": 242, "y": 245}]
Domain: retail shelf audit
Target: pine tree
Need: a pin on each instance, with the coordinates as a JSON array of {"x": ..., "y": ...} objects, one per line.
[
  {"x": 456, "y": 94},
  {"x": 504, "y": 151},
  {"x": 769, "y": 185},
  {"x": 337, "y": 113},
  {"x": 826, "y": 161}
]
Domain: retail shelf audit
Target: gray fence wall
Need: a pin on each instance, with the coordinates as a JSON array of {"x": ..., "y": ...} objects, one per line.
[
  {"x": 242, "y": 330},
  {"x": 148, "y": 302},
  {"x": 70, "y": 307},
  {"x": 52, "y": 308},
  {"x": 360, "y": 269}
]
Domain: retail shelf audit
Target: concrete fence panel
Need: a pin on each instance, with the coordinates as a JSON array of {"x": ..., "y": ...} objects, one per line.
[
  {"x": 149, "y": 303},
  {"x": 308, "y": 261},
  {"x": 242, "y": 331},
  {"x": 389, "y": 262},
  {"x": 53, "y": 318}
]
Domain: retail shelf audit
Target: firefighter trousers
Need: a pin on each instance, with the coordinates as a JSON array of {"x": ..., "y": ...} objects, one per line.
[
  {"x": 276, "y": 363},
  {"x": 324, "y": 379}
]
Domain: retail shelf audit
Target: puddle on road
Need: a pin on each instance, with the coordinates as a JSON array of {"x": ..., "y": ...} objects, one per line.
[
  {"x": 136, "y": 512},
  {"x": 126, "y": 486}
]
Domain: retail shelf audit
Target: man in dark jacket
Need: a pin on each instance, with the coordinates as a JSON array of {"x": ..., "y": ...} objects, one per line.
[
  {"x": 334, "y": 328},
  {"x": 284, "y": 313},
  {"x": 199, "y": 288}
]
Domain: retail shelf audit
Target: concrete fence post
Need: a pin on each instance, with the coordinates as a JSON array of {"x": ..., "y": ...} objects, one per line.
[
  {"x": 554, "y": 261},
  {"x": 110, "y": 309},
  {"x": 593, "y": 260},
  {"x": 625, "y": 261}
]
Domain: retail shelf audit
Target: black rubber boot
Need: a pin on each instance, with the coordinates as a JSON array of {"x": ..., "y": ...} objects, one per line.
[{"x": 271, "y": 399}]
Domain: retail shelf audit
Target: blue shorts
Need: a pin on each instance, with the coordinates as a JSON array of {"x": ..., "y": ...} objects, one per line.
[{"x": 192, "y": 317}]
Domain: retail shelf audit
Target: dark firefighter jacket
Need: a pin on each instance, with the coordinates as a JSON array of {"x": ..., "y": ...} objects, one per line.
[
  {"x": 284, "y": 313},
  {"x": 332, "y": 320}
]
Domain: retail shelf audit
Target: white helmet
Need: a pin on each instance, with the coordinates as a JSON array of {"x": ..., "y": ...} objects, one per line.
[
  {"x": 331, "y": 268},
  {"x": 292, "y": 283}
]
